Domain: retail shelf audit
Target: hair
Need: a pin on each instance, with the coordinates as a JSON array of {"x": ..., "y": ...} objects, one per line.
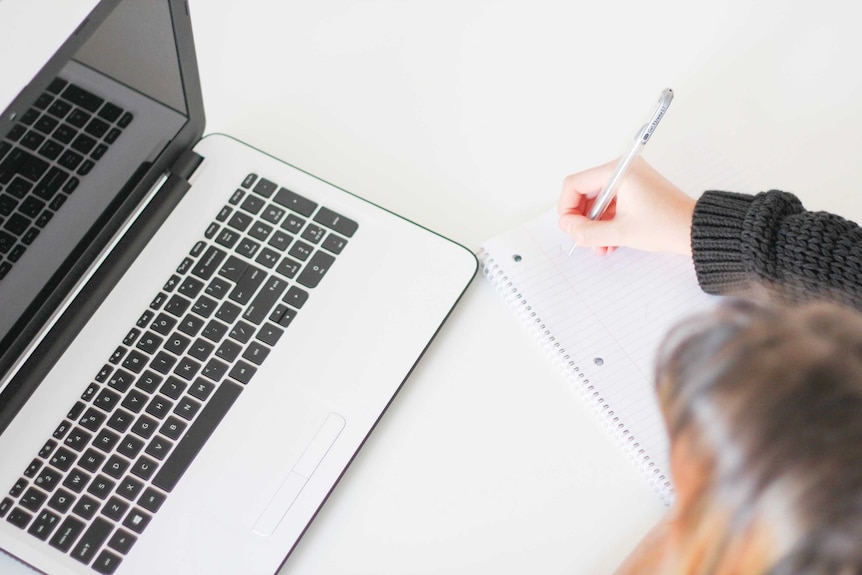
[{"x": 769, "y": 399}]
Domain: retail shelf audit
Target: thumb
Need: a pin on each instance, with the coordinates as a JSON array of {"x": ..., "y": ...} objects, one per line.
[{"x": 589, "y": 233}]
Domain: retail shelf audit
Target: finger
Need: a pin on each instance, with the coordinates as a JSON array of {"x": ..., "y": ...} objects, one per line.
[
  {"x": 577, "y": 188},
  {"x": 590, "y": 233}
]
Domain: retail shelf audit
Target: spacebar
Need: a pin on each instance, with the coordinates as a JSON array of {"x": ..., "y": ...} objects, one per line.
[{"x": 189, "y": 446}]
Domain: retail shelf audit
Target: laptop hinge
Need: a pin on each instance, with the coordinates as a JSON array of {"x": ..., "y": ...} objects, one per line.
[{"x": 186, "y": 164}]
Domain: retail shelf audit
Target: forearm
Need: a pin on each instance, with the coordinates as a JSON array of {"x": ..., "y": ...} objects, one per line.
[{"x": 741, "y": 244}]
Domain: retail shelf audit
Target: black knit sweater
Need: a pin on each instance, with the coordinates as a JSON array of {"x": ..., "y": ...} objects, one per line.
[{"x": 743, "y": 244}]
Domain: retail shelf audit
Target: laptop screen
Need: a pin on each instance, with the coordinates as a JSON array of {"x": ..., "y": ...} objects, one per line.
[{"x": 79, "y": 147}]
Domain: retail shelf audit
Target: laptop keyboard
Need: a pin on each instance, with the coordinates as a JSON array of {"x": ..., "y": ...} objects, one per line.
[
  {"x": 108, "y": 467},
  {"x": 42, "y": 158}
]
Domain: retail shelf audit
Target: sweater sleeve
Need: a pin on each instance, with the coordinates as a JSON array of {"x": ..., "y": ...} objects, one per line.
[{"x": 768, "y": 242}]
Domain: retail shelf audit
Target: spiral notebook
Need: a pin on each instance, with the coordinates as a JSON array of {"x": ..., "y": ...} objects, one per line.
[{"x": 601, "y": 319}]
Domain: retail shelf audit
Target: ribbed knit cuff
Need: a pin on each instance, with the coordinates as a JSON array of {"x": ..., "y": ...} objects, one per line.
[{"x": 716, "y": 241}]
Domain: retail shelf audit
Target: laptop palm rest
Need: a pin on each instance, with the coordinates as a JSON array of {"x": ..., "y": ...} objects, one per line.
[{"x": 296, "y": 479}]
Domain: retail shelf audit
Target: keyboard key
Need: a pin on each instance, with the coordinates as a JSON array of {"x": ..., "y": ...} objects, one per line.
[
  {"x": 137, "y": 520},
  {"x": 152, "y": 499},
  {"x": 159, "y": 407},
  {"x": 19, "y": 518},
  {"x": 97, "y": 128},
  {"x": 239, "y": 221},
  {"x": 317, "y": 267},
  {"x": 268, "y": 258},
  {"x": 92, "y": 540},
  {"x": 64, "y": 133},
  {"x": 158, "y": 447},
  {"x": 228, "y": 312},
  {"x": 78, "y": 438},
  {"x": 296, "y": 297},
  {"x": 336, "y": 222},
  {"x": 201, "y": 349},
  {"x": 106, "y": 400},
  {"x": 252, "y": 204},
  {"x": 280, "y": 240},
  {"x": 300, "y": 250},
  {"x": 122, "y": 542},
  {"x": 269, "y": 334},
  {"x": 201, "y": 389},
  {"x": 66, "y": 534},
  {"x": 173, "y": 427},
  {"x": 106, "y": 440},
  {"x": 62, "y": 501},
  {"x": 91, "y": 460},
  {"x": 82, "y": 98},
  {"x": 145, "y": 426},
  {"x": 86, "y": 507},
  {"x": 76, "y": 480},
  {"x": 43, "y": 525},
  {"x": 249, "y": 180},
  {"x": 48, "y": 479},
  {"x": 313, "y": 233},
  {"x": 32, "y": 499},
  {"x": 293, "y": 223},
  {"x": 209, "y": 263},
  {"x": 130, "y": 446},
  {"x": 5, "y": 505},
  {"x": 214, "y": 330},
  {"x": 101, "y": 487},
  {"x": 242, "y": 332},
  {"x": 130, "y": 487},
  {"x": 116, "y": 466},
  {"x": 106, "y": 563},
  {"x": 288, "y": 268},
  {"x": 33, "y": 468},
  {"x": 295, "y": 202},
  {"x": 242, "y": 371},
  {"x": 229, "y": 350},
  {"x": 134, "y": 402},
  {"x": 63, "y": 459},
  {"x": 215, "y": 369},
  {"x": 115, "y": 508},
  {"x": 191, "y": 324},
  {"x": 56, "y": 86},
  {"x": 256, "y": 353},
  {"x": 144, "y": 467},
  {"x": 59, "y": 108},
  {"x": 121, "y": 420}
]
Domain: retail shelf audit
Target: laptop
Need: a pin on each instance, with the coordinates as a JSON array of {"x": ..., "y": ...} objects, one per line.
[{"x": 196, "y": 338}]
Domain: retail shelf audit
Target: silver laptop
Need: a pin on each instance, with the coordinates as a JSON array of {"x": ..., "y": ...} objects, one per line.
[{"x": 196, "y": 338}]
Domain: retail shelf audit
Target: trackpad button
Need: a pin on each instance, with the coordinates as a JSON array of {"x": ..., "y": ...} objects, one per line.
[{"x": 297, "y": 478}]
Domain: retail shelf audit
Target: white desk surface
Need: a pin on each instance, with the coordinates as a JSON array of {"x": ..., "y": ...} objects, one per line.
[{"x": 465, "y": 115}]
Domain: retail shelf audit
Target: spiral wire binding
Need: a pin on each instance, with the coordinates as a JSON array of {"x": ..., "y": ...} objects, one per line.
[{"x": 574, "y": 374}]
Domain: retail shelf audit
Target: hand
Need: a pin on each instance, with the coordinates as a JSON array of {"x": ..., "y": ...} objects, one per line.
[{"x": 648, "y": 213}]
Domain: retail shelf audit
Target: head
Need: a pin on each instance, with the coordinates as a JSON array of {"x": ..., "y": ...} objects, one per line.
[{"x": 763, "y": 405}]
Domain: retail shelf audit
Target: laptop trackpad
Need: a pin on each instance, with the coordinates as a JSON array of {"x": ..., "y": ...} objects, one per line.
[{"x": 298, "y": 476}]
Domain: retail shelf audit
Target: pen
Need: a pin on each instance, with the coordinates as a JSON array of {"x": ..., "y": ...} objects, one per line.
[{"x": 643, "y": 135}]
